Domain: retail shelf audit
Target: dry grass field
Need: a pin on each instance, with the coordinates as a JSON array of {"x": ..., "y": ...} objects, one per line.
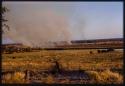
[{"x": 100, "y": 68}]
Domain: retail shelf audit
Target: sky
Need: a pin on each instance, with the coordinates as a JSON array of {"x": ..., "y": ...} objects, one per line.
[{"x": 83, "y": 20}]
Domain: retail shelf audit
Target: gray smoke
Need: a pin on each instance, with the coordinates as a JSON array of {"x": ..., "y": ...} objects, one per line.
[{"x": 38, "y": 30}]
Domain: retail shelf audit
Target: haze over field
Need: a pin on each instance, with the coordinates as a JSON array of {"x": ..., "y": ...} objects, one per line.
[{"x": 37, "y": 23}]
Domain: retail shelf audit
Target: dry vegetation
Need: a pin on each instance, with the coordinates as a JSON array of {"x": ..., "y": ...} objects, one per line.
[{"x": 100, "y": 67}]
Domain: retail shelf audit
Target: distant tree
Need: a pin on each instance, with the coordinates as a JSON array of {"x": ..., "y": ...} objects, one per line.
[{"x": 3, "y": 11}]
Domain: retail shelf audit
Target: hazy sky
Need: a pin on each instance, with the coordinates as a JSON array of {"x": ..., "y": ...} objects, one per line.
[{"x": 86, "y": 20}]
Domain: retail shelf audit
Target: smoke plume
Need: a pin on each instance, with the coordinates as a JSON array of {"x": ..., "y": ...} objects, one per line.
[{"x": 38, "y": 30}]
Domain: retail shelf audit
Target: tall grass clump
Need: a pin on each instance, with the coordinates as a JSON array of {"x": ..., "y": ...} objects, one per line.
[
  {"x": 50, "y": 79},
  {"x": 111, "y": 77},
  {"x": 17, "y": 77},
  {"x": 105, "y": 77}
]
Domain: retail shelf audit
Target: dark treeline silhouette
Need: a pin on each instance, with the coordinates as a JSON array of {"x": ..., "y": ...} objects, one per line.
[{"x": 105, "y": 50}]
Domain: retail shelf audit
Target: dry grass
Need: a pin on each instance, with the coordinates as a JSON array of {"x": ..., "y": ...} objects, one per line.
[
  {"x": 105, "y": 77},
  {"x": 17, "y": 77},
  {"x": 69, "y": 60},
  {"x": 50, "y": 80}
]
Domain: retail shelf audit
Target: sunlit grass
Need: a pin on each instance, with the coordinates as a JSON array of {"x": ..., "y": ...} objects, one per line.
[{"x": 68, "y": 60}]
